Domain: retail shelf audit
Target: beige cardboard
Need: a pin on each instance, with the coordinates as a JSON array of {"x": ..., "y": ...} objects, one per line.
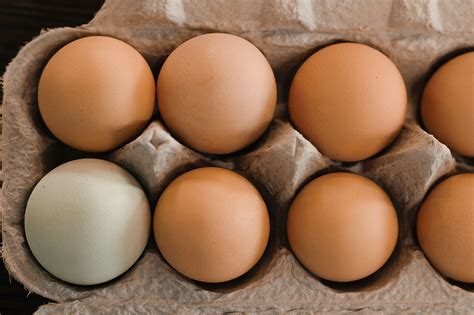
[{"x": 414, "y": 34}]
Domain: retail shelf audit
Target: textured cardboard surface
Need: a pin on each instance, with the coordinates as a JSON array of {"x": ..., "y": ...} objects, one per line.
[{"x": 414, "y": 34}]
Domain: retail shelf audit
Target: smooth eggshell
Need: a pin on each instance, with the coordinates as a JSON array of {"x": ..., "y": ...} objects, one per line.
[
  {"x": 445, "y": 227},
  {"x": 447, "y": 105},
  {"x": 342, "y": 227},
  {"x": 211, "y": 225},
  {"x": 96, "y": 93},
  {"x": 349, "y": 100},
  {"x": 87, "y": 221},
  {"x": 217, "y": 93}
]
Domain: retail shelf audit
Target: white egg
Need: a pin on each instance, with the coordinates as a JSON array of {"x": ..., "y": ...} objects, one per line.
[{"x": 87, "y": 221}]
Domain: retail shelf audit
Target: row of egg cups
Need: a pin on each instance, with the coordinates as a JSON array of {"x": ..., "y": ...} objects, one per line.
[
  {"x": 88, "y": 221},
  {"x": 303, "y": 97},
  {"x": 217, "y": 94}
]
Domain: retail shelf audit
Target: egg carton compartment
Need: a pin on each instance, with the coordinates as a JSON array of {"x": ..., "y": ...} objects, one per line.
[{"x": 415, "y": 35}]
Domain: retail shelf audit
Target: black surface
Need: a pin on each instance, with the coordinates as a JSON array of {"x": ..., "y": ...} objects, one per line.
[{"x": 20, "y": 21}]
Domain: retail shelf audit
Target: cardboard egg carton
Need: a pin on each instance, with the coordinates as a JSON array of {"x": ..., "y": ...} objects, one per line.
[{"x": 416, "y": 35}]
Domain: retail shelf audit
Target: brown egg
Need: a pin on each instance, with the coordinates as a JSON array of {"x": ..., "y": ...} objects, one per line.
[
  {"x": 217, "y": 93},
  {"x": 349, "y": 100},
  {"x": 211, "y": 224},
  {"x": 96, "y": 93},
  {"x": 342, "y": 227},
  {"x": 447, "y": 105},
  {"x": 445, "y": 227}
]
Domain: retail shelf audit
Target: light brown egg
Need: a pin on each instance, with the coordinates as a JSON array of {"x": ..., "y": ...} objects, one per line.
[
  {"x": 447, "y": 105},
  {"x": 342, "y": 227},
  {"x": 211, "y": 225},
  {"x": 445, "y": 227},
  {"x": 349, "y": 100},
  {"x": 96, "y": 93},
  {"x": 217, "y": 93}
]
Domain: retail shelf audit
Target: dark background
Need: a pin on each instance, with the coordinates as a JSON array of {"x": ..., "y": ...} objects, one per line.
[{"x": 20, "y": 21}]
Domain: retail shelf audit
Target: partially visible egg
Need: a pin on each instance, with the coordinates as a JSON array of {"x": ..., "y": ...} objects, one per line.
[
  {"x": 96, "y": 93},
  {"x": 87, "y": 221},
  {"x": 349, "y": 100},
  {"x": 342, "y": 227},
  {"x": 445, "y": 227},
  {"x": 217, "y": 93},
  {"x": 211, "y": 225},
  {"x": 447, "y": 104}
]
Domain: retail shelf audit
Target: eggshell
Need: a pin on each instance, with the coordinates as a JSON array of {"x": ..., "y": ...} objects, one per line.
[
  {"x": 217, "y": 93},
  {"x": 96, "y": 93},
  {"x": 87, "y": 221},
  {"x": 211, "y": 224},
  {"x": 342, "y": 227},
  {"x": 445, "y": 227},
  {"x": 349, "y": 100},
  {"x": 447, "y": 105}
]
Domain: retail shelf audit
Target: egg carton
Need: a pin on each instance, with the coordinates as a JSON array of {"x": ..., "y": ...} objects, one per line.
[{"x": 415, "y": 35}]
